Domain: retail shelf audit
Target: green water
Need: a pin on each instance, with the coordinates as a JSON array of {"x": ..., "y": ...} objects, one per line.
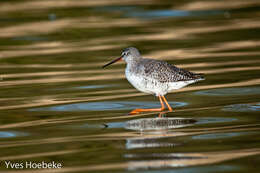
[{"x": 58, "y": 104}]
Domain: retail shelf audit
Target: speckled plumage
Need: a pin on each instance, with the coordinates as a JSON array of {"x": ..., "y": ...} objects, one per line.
[
  {"x": 164, "y": 72},
  {"x": 155, "y": 76}
]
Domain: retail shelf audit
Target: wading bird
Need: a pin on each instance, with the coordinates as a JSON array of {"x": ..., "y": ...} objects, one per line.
[{"x": 154, "y": 76}]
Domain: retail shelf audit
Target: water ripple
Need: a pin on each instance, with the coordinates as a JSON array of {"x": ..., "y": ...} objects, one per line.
[
  {"x": 157, "y": 14},
  {"x": 170, "y": 13},
  {"x": 215, "y": 120},
  {"x": 230, "y": 91},
  {"x": 11, "y": 134},
  {"x": 116, "y": 105},
  {"x": 218, "y": 135},
  {"x": 250, "y": 107},
  {"x": 93, "y": 86}
]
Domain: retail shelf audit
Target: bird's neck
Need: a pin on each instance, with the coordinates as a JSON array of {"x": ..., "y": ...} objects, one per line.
[
  {"x": 133, "y": 60},
  {"x": 132, "y": 63},
  {"x": 132, "y": 66}
]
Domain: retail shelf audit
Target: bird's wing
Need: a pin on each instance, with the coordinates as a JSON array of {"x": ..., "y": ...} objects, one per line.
[{"x": 164, "y": 72}]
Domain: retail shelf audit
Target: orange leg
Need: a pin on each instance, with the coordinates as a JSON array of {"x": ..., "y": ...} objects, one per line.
[
  {"x": 136, "y": 111},
  {"x": 169, "y": 107}
]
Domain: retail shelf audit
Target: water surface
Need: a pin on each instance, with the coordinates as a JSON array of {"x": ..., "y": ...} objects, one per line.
[{"x": 58, "y": 104}]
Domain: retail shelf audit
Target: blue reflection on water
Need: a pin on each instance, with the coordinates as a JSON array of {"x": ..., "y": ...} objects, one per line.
[
  {"x": 86, "y": 87},
  {"x": 218, "y": 135},
  {"x": 52, "y": 16},
  {"x": 94, "y": 106},
  {"x": 133, "y": 11},
  {"x": 214, "y": 120},
  {"x": 242, "y": 107},
  {"x": 230, "y": 91},
  {"x": 170, "y": 13},
  {"x": 93, "y": 86},
  {"x": 7, "y": 134},
  {"x": 11, "y": 134},
  {"x": 86, "y": 126},
  {"x": 116, "y": 125},
  {"x": 159, "y": 14}
]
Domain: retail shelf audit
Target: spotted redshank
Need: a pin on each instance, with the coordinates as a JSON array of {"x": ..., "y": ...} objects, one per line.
[{"x": 154, "y": 76}]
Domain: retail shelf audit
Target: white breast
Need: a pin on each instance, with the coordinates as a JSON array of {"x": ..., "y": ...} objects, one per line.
[
  {"x": 137, "y": 82},
  {"x": 146, "y": 85}
]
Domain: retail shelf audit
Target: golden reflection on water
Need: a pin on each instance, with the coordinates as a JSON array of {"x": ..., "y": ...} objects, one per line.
[
  {"x": 182, "y": 54},
  {"x": 59, "y": 73},
  {"x": 197, "y": 159},
  {"x": 37, "y": 27},
  {"x": 52, "y": 51},
  {"x": 49, "y": 4},
  {"x": 52, "y": 100},
  {"x": 233, "y": 45},
  {"x": 44, "y": 154},
  {"x": 105, "y": 42},
  {"x": 186, "y": 32},
  {"x": 216, "y": 5}
]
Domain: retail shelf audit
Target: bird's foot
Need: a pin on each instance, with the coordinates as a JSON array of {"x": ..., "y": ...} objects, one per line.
[
  {"x": 133, "y": 112},
  {"x": 137, "y": 111}
]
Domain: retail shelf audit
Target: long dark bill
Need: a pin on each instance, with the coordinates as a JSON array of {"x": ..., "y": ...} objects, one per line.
[{"x": 115, "y": 60}]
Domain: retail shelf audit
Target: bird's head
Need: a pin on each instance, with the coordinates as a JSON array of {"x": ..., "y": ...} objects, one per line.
[{"x": 128, "y": 55}]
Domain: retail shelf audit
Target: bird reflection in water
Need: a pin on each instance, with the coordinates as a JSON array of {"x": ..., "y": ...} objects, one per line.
[
  {"x": 155, "y": 133},
  {"x": 152, "y": 130},
  {"x": 159, "y": 123}
]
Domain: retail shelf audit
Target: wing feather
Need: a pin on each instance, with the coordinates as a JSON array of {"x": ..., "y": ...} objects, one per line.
[{"x": 164, "y": 72}]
